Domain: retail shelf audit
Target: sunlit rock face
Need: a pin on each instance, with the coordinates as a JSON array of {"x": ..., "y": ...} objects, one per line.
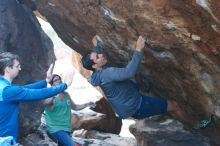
[
  {"x": 76, "y": 61},
  {"x": 183, "y": 61},
  {"x": 20, "y": 33}
]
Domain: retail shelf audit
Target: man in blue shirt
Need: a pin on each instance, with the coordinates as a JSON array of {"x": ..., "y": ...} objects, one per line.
[
  {"x": 11, "y": 95},
  {"x": 125, "y": 100}
]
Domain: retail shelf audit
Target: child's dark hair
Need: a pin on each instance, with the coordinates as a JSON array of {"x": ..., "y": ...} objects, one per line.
[{"x": 52, "y": 80}]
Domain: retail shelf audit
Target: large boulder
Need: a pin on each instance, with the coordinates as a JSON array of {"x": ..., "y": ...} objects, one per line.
[
  {"x": 159, "y": 131},
  {"x": 182, "y": 63},
  {"x": 103, "y": 119}
]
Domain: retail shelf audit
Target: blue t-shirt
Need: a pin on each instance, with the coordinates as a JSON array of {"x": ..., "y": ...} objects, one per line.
[{"x": 11, "y": 95}]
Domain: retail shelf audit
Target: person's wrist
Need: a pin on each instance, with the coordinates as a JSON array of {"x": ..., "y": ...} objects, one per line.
[{"x": 138, "y": 49}]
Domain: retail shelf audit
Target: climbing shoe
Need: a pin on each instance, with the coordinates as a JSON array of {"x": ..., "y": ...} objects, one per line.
[{"x": 205, "y": 123}]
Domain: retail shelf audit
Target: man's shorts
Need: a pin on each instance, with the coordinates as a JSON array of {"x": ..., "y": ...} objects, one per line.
[{"x": 151, "y": 106}]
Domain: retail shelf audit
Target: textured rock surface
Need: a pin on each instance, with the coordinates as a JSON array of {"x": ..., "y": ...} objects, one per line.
[
  {"x": 110, "y": 123},
  {"x": 183, "y": 62},
  {"x": 21, "y": 33},
  {"x": 76, "y": 58},
  {"x": 83, "y": 137},
  {"x": 165, "y": 132},
  {"x": 102, "y": 139}
]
